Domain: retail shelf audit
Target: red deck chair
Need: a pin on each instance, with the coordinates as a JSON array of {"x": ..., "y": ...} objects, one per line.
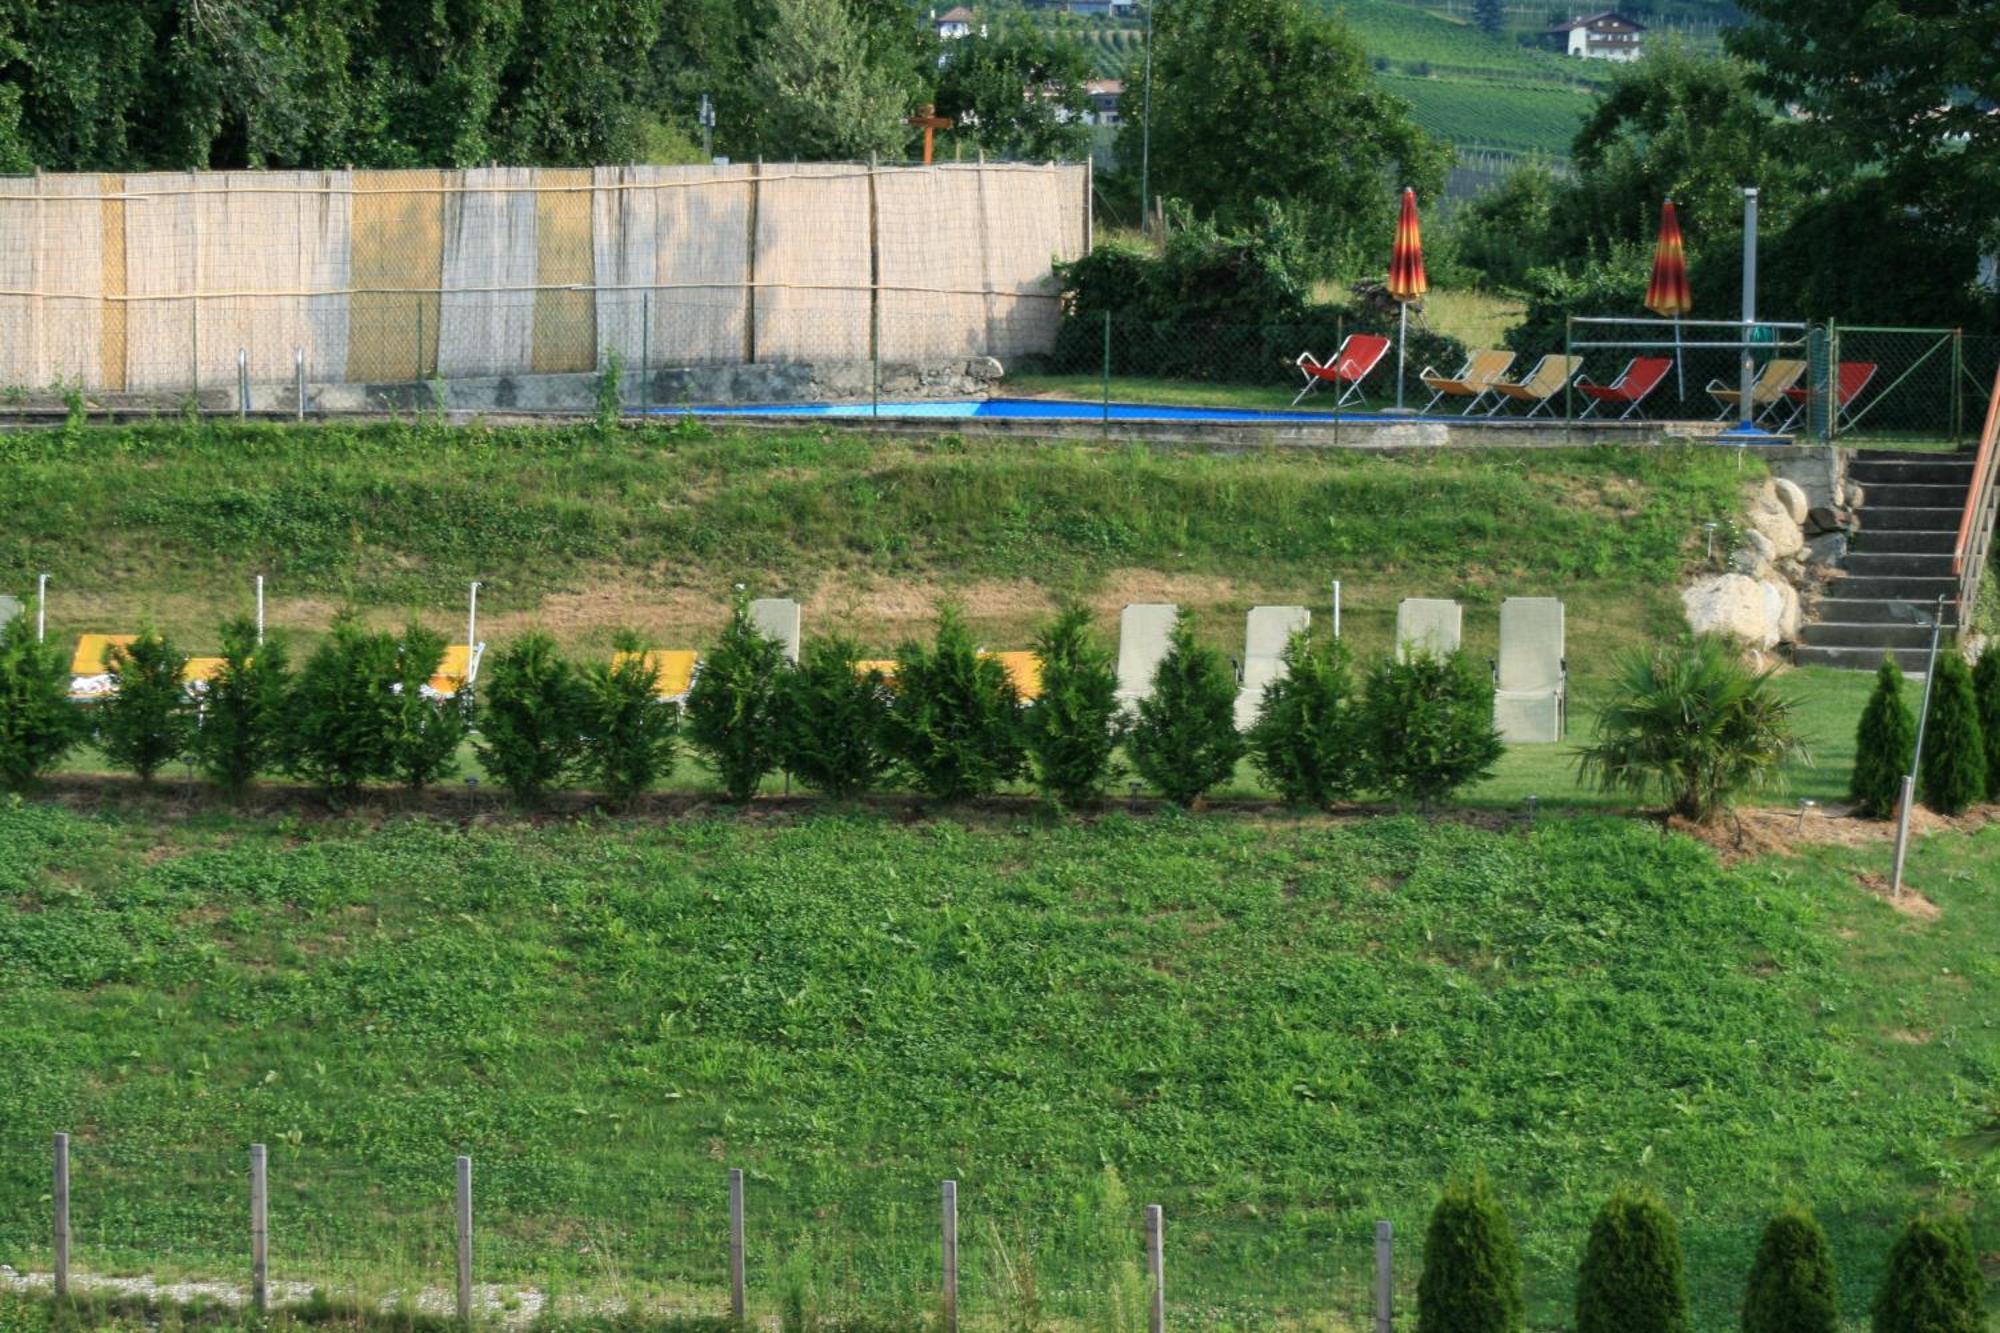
[
  {"x": 1853, "y": 381},
  {"x": 1354, "y": 362},
  {"x": 1629, "y": 390}
]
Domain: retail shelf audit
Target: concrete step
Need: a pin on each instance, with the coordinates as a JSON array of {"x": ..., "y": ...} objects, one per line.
[
  {"x": 1907, "y": 496},
  {"x": 1911, "y": 660},
  {"x": 1914, "y": 541},
  {"x": 1890, "y": 519},
  {"x": 1944, "y": 470},
  {"x": 1847, "y": 610},
  {"x": 1873, "y": 564},
  {"x": 1921, "y": 593},
  {"x": 1827, "y": 634},
  {"x": 1908, "y": 455}
]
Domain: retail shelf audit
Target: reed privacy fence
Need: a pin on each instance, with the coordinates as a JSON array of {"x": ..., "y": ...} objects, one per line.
[{"x": 157, "y": 283}]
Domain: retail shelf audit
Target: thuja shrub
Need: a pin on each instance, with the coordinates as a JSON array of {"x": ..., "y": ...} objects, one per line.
[
  {"x": 954, "y": 716},
  {"x": 38, "y": 724},
  {"x": 1074, "y": 725},
  {"x": 531, "y": 718},
  {"x": 1932, "y": 1282},
  {"x": 629, "y": 731},
  {"x": 1306, "y": 741},
  {"x": 148, "y": 720},
  {"x": 427, "y": 731},
  {"x": 343, "y": 714},
  {"x": 1986, "y": 690},
  {"x": 245, "y": 708},
  {"x": 1428, "y": 726},
  {"x": 1185, "y": 740},
  {"x": 1884, "y": 744},
  {"x": 1953, "y": 772},
  {"x": 1632, "y": 1279},
  {"x": 1792, "y": 1287},
  {"x": 832, "y": 725},
  {"x": 732, "y": 708},
  {"x": 1471, "y": 1280}
]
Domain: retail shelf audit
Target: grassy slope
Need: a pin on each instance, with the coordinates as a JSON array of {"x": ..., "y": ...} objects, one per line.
[{"x": 1282, "y": 1032}]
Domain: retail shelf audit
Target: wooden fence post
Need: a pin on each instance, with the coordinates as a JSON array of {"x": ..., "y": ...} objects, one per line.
[
  {"x": 260, "y": 1230},
  {"x": 737, "y": 1294},
  {"x": 465, "y": 1239},
  {"x": 1156, "y": 1266},
  {"x": 1384, "y": 1277},
  {"x": 59, "y": 1195},
  {"x": 949, "y": 1221}
]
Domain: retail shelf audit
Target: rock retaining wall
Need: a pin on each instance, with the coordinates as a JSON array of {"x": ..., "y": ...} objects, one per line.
[{"x": 1788, "y": 551}]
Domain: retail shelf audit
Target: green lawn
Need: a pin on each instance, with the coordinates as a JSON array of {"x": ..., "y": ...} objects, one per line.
[{"x": 1279, "y": 1030}]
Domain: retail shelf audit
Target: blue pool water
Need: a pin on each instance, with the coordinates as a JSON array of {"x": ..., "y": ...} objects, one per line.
[{"x": 1025, "y": 409}]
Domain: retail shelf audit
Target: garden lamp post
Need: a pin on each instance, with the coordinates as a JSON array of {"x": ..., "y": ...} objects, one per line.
[{"x": 41, "y": 607}]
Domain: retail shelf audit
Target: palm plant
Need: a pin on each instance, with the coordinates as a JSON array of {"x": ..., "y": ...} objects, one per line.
[{"x": 1694, "y": 726}]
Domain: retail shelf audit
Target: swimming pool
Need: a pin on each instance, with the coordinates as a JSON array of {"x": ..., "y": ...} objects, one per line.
[{"x": 1029, "y": 409}]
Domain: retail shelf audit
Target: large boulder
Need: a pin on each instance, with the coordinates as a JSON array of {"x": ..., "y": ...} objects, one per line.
[
  {"x": 1735, "y": 605},
  {"x": 1781, "y": 606},
  {"x": 1791, "y": 497},
  {"x": 1786, "y": 536}
]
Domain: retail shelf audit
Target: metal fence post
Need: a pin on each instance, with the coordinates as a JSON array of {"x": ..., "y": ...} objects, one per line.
[
  {"x": 645, "y": 353},
  {"x": 260, "y": 1230},
  {"x": 949, "y": 1223},
  {"x": 1569, "y": 361},
  {"x": 242, "y": 384},
  {"x": 465, "y": 1239},
  {"x": 299, "y": 380},
  {"x": 59, "y": 1196},
  {"x": 1156, "y": 1267},
  {"x": 1107, "y": 373},
  {"x": 417, "y": 366},
  {"x": 1957, "y": 387},
  {"x": 1385, "y": 1288},
  {"x": 737, "y": 1295}
]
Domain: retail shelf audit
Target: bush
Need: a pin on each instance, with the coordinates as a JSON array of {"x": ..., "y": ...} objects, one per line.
[
  {"x": 1693, "y": 724},
  {"x": 1471, "y": 1280},
  {"x": 1986, "y": 690},
  {"x": 1883, "y": 746},
  {"x": 1932, "y": 1282},
  {"x": 1074, "y": 726},
  {"x": 1428, "y": 725},
  {"x": 38, "y": 723},
  {"x": 531, "y": 719},
  {"x": 1185, "y": 740},
  {"x": 1792, "y": 1288},
  {"x": 732, "y": 710},
  {"x": 423, "y": 746},
  {"x": 629, "y": 730},
  {"x": 1306, "y": 741},
  {"x": 148, "y": 721},
  {"x": 1953, "y": 767},
  {"x": 833, "y": 720},
  {"x": 344, "y": 710},
  {"x": 245, "y": 709},
  {"x": 1632, "y": 1280},
  {"x": 955, "y": 719}
]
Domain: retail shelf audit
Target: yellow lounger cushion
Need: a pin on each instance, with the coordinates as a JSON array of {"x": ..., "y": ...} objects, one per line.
[
  {"x": 93, "y": 649},
  {"x": 674, "y": 669},
  {"x": 453, "y": 669},
  {"x": 201, "y": 670},
  {"x": 1025, "y": 670}
]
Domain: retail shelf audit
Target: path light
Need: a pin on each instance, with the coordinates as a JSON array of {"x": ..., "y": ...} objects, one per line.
[
  {"x": 1806, "y": 807},
  {"x": 1534, "y": 806},
  {"x": 1710, "y": 528}
]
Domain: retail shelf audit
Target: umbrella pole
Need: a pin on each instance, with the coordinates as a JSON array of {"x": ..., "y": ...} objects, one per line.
[{"x": 1402, "y": 354}]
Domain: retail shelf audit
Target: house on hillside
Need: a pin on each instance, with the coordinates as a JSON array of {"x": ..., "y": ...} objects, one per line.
[
  {"x": 1103, "y": 95},
  {"x": 1115, "y": 9},
  {"x": 954, "y": 23},
  {"x": 1606, "y": 36}
]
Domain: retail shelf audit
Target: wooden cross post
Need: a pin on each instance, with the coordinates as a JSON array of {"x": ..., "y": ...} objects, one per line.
[{"x": 930, "y": 122}]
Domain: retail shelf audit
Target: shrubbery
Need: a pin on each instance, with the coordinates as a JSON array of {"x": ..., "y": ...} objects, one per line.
[
  {"x": 1986, "y": 691},
  {"x": 1631, "y": 1279},
  {"x": 1185, "y": 739},
  {"x": 833, "y": 720},
  {"x": 1883, "y": 746},
  {"x": 148, "y": 720},
  {"x": 732, "y": 708},
  {"x": 426, "y": 732},
  {"x": 1429, "y": 726},
  {"x": 343, "y": 715},
  {"x": 630, "y": 730},
  {"x": 244, "y": 713},
  {"x": 1931, "y": 1283},
  {"x": 1792, "y": 1288},
  {"x": 955, "y": 718},
  {"x": 1952, "y": 773},
  {"x": 1306, "y": 742},
  {"x": 531, "y": 730},
  {"x": 1075, "y": 726},
  {"x": 1471, "y": 1281},
  {"x": 38, "y": 724}
]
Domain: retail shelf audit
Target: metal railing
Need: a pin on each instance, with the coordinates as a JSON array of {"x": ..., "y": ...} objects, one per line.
[{"x": 1974, "y": 547}]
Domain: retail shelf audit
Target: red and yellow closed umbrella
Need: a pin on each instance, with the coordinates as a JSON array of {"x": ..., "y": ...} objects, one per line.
[
  {"x": 1407, "y": 282},
  {"x": 1667, "y": 294}
]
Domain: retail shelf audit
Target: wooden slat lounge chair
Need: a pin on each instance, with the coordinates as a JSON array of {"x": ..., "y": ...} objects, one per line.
[
  {"x": 1767, "y": 391},
  {"x": 1472, "y": 383},
  {"x": 1540, "y": 388}
]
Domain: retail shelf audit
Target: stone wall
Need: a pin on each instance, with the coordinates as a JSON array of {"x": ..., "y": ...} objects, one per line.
[{"x": 1787, "y": 550}]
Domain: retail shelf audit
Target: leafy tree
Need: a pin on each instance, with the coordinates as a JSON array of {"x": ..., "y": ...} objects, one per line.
[
  {"x": 732, "y": 710},
  {"x": 38, "y": 723},
  {"x": 1428, "y": 724},
  {"x": 1490, "y": 16},
  {"x": 1694, "y": 725},
  {"x": 147, "y": 721},
  {"x": 1883, "y": 746},
  {"x": 825, "y": 96},
  {"x": 1018, "y": 92},
  {"x": 344, "y": 711},
  {"x": 424, "y": 744},
  {"x": 1185, "y": 740},
  {"x": 1932, "y": 1282},
  {"x": 955, "y": 719},
  {"x": 629, "y": 730},
  {"x": 1952, "y": 773},
  {"x": 1074, "y": 726},
  {"x": 573, "y": 90},
  {"x": 1632, "y": 1279},
  {"x": 245, "y": 709},
  {"x": 1792, "y": 1288},
  {"x": 1273, "y": 100},
  {"x": 1508, "y": 230},
  {"x": 1306, "y": 741},
  {"x": 832, "y": 726},
  {"x": 1986, "y": 689},
  {"x": 531, "y": 718},
  {"x": 1471, "y": 1281}
]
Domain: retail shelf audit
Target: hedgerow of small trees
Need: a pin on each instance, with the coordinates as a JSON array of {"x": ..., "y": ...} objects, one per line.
[
  {"x": 630, "y": 729},
  {"x": 1931, "y": 1283},
  {"x": 343, "y": 714},
  {"x": 1986, "y": 690},
  {"x": 531, "y": 733},
  {"x": 426, "y": 732}
]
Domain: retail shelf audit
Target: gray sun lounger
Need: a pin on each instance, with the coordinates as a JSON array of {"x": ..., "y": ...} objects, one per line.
[
  {"x": 10, "y": 607},
  {"x": 1266, "y": 631},
  {"x": 1428, "y": 625},
  {"x": 1143, "y": 628},
  {"x": 778, "y": 618},
  {"x": 1531, "y": 678}
]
